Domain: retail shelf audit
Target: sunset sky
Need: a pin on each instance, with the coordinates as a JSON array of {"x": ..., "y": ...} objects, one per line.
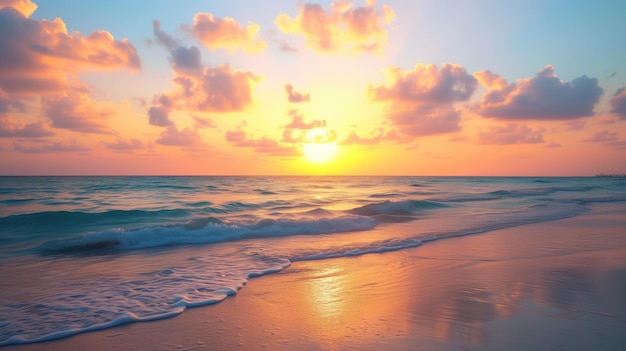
[{"x": 207, "y": 87}]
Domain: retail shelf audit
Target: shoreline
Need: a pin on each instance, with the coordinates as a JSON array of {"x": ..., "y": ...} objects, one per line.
[{"x": 548, "y": 285}]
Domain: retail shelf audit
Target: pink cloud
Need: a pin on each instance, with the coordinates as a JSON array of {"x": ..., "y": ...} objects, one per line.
[
  {"x": 575, "y": 125},
  {"x": 264, "y": 145},
  {"x": 544, "y": 96},
  {"x": 56, "y": 146},
  {"x": 341, "y": 28},
  {"x": 296, "y": 130},
  {"x": 125, "y": 146},
  {"x": 77, "y": 112},
  {"x": 618, "y": 104},
  {"x": 294, "y": 96},
  {"x": 216, "y": 33},
  {"x": 286, "y": 47},
  {"x": 609, "y": 139},
  {"x": 159, "y": 116},
  {"x": 425, "y": 121},
  {"x": 203, "y": 122},
  {"x": 38, "y": 67},
  {"x": 379, "y": 136},
  {"x": 171, "y": 136},
  {"x": 18, "y": 129},
  {"x": 25, "y": 7},
  {"x": 603, "y": 136},
  {"x": 298, "y": 122},
  {"x": 199, "y": 88},
  {"x": 421, "y": 101},
  {"x": 426, "y": 84},
  {"x": 512, "y": 133},
  {"x": 293, "y": 136},
  {"x": 224, "y": 89},
  {"x": 553, "y": 145},
  {"x": 39, "y": 55}
]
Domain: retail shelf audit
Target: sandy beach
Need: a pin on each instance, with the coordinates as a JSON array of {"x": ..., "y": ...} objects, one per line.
[{"x": 557, "y": 285}]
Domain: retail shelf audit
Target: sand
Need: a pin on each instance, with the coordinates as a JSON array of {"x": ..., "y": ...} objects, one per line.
[{"x": 557, "y": 285}]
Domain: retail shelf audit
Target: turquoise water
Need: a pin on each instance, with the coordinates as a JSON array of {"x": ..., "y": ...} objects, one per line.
[{"x": 86, "y": 253}]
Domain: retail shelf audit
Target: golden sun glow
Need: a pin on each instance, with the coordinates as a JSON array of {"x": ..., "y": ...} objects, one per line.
[{"x": 319, "y": 152}]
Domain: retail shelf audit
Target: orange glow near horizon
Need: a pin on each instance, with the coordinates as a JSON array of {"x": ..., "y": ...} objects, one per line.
[{"x": 357, "y": 95}]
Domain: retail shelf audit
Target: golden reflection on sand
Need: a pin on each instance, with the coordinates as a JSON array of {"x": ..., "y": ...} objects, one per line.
[{"x": 327, "y": 295}]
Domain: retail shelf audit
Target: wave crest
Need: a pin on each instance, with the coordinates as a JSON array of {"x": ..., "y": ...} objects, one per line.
[{"x": 204, "y": 231}]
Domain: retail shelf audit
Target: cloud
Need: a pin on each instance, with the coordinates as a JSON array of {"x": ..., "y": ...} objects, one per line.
[
  {"x": 77, "y": 112},
  {"x": 8, "y": 104},
  {"x": 342, "y": 28},
  {"x": 56, "y": 146},
  {"x": 199, "y": 88},
  {"x": 618, "y": 104},
  {"x": 380, "y": 135},
  {"x": 184, "y": 60},
  {"x": 225, "y": 33},
  {"x": 171, "y": 136},
  {"x": 426, "y": 84},
  {"x": 618, "y": 145},
  {"x": 286, "y": 47},
  {"x": 553, "y": 145},
  {"x": 544, "y": 96},
  {"x": 512, "y": 133},
  {"x": 39, "y": 64},
  {"x": 602, "y": 137},
  {"x": 298, "y": 130},
  {"x": 608, "y": 138},
  {"x": 18, "y": 129},
  {"x": 125, "y": 146},
  {"x": 575, "y": 125},
  {"x": 425, "y": 121},
  {"x": 222, "y": 89},
  {"x": 264, "y": 145},
  {"x": 25, "y": 7},
  {"x": 421, "y": 102},
  {"x": 297, "y": 122},
  {"x": 292, "y": 136},
  {"x": 200, "y": 122},
  {"x": 159, "y": 116},
  {"x": 37, "y": 56},
  {"x": 294, "y": 96}
]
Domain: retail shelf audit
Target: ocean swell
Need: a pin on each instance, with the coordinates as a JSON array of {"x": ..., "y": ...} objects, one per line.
[{"x": 204, "y": 232}]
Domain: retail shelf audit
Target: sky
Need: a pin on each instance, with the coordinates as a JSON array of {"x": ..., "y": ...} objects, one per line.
[{"x": 207, "y": 87}]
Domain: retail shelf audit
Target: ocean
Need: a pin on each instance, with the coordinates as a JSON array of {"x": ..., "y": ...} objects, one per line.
[{"x": 86, "y": 253}]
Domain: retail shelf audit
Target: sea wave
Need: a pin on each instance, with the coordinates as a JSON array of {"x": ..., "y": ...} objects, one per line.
[
  {"x": 205, "y": 231},
  {"x": 406, "y": 207},
  {"x": 72, "y": 221},
  {"x": 514, "y": 193},
  {"x": 533, "y": 214}
]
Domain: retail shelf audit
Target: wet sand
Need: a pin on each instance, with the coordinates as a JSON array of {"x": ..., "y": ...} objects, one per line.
[{"x": 557, "y": 285}]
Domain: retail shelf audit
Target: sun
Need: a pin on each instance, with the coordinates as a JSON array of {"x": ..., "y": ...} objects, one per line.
[{"x": 319, "y": 152}]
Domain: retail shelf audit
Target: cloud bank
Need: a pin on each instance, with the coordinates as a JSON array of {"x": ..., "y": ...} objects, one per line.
[
  {"x": 421, "y": 101},
  {"x": 199, "y": 88},
  {"x": 264, "y": 145},
  {"x": 543, "y": 97}
]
